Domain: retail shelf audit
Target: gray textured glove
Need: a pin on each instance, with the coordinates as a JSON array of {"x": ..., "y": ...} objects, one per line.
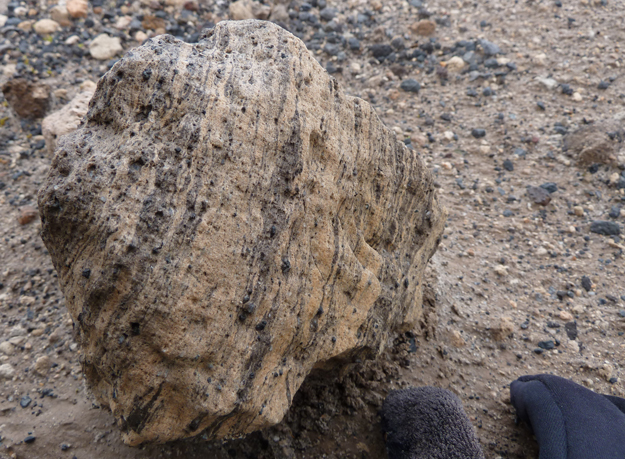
[{"x": 428, "y": 423}]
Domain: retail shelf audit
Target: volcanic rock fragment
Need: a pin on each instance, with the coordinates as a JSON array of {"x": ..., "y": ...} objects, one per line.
[
  {"x": 225, "y": 221},
  {"x": 538, "y": 195},
  {"x": 29, "y": 99},
  {"x": 596, "y": 143}
]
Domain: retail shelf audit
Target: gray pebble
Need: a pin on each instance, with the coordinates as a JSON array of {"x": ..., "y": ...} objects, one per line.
[
  {"x": 478, "y": 133},
  {"x": 354, "y": 44},
  {"x": 490, "y": 48},
  {"x": 605, "y": 228},
  {"x": 410, "y": 85},
  {"x": 328, "y": 13}
]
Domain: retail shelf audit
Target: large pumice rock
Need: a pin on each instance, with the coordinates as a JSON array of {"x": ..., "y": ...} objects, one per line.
[{"x": 225, "y": 221}]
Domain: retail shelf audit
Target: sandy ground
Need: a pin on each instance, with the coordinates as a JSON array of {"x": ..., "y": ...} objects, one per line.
[{"x": 505, "y": 294}]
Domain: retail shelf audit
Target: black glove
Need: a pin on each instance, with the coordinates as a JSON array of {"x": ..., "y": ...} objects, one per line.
[
  {"x": 428, "y": 423},
  {"x": 568, "y": 420}
]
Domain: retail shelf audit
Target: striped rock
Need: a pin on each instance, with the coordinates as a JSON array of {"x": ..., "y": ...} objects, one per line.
[{"x": 225, "y": 221}]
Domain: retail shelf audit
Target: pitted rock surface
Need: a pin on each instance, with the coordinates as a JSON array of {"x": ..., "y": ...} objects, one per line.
[{"x": 225, "y": 221}]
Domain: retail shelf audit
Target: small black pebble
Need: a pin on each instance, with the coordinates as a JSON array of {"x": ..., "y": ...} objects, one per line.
[
  {"x": 478, "y": 133},
  {"x": 550, "y": 187},
  {"x": 547, "y": 345},
  {"x": 380, "y": 51},
  {"x": 354, "y": 44},
  {"x": 29, "y": 439},
  {"x": 286, "y": 266},
  {"x": 491, "y": 63},
  {"x": 331, "y": 68},
  {"x": 25, "y": 401},
  {"x": 605, "y": 228},
  {"x": 571, "y": 330},
  {"x": 410, "y": 85},
  {"x": 615, "y": 212}
]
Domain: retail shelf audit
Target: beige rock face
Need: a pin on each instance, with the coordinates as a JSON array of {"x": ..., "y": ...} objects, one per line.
[
  {"x": 424, "y": 27},
  {"x": 455, "y": 64},
  {"x": 26, "y": 26},
  {"x": 261, "y": 11},
  {"x": 279, "y": 13},
  {"x": 67, "y": 119},
  {"x": 225, "y": 221},
  {"x": 77, "y": 8},
  {"x": 46, "y": 26},
  {"x": 60, "y": 14},
  {"x": 7, "y": 348},
  {"x": 42, "y": 365},
  {"x": 241, "y": 10},
  {"x": 248, "y": 9},
  {"x": 104, "y": 47},
  {"x": 6, "y": 371},
  {"x": 503, "y": 329}
]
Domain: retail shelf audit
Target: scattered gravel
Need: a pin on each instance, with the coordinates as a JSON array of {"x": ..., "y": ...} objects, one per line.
[{"x": 529, "y": 276}]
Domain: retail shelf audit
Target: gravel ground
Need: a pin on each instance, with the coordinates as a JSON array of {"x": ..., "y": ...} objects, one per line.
[{"x": 518, "y": 108}]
